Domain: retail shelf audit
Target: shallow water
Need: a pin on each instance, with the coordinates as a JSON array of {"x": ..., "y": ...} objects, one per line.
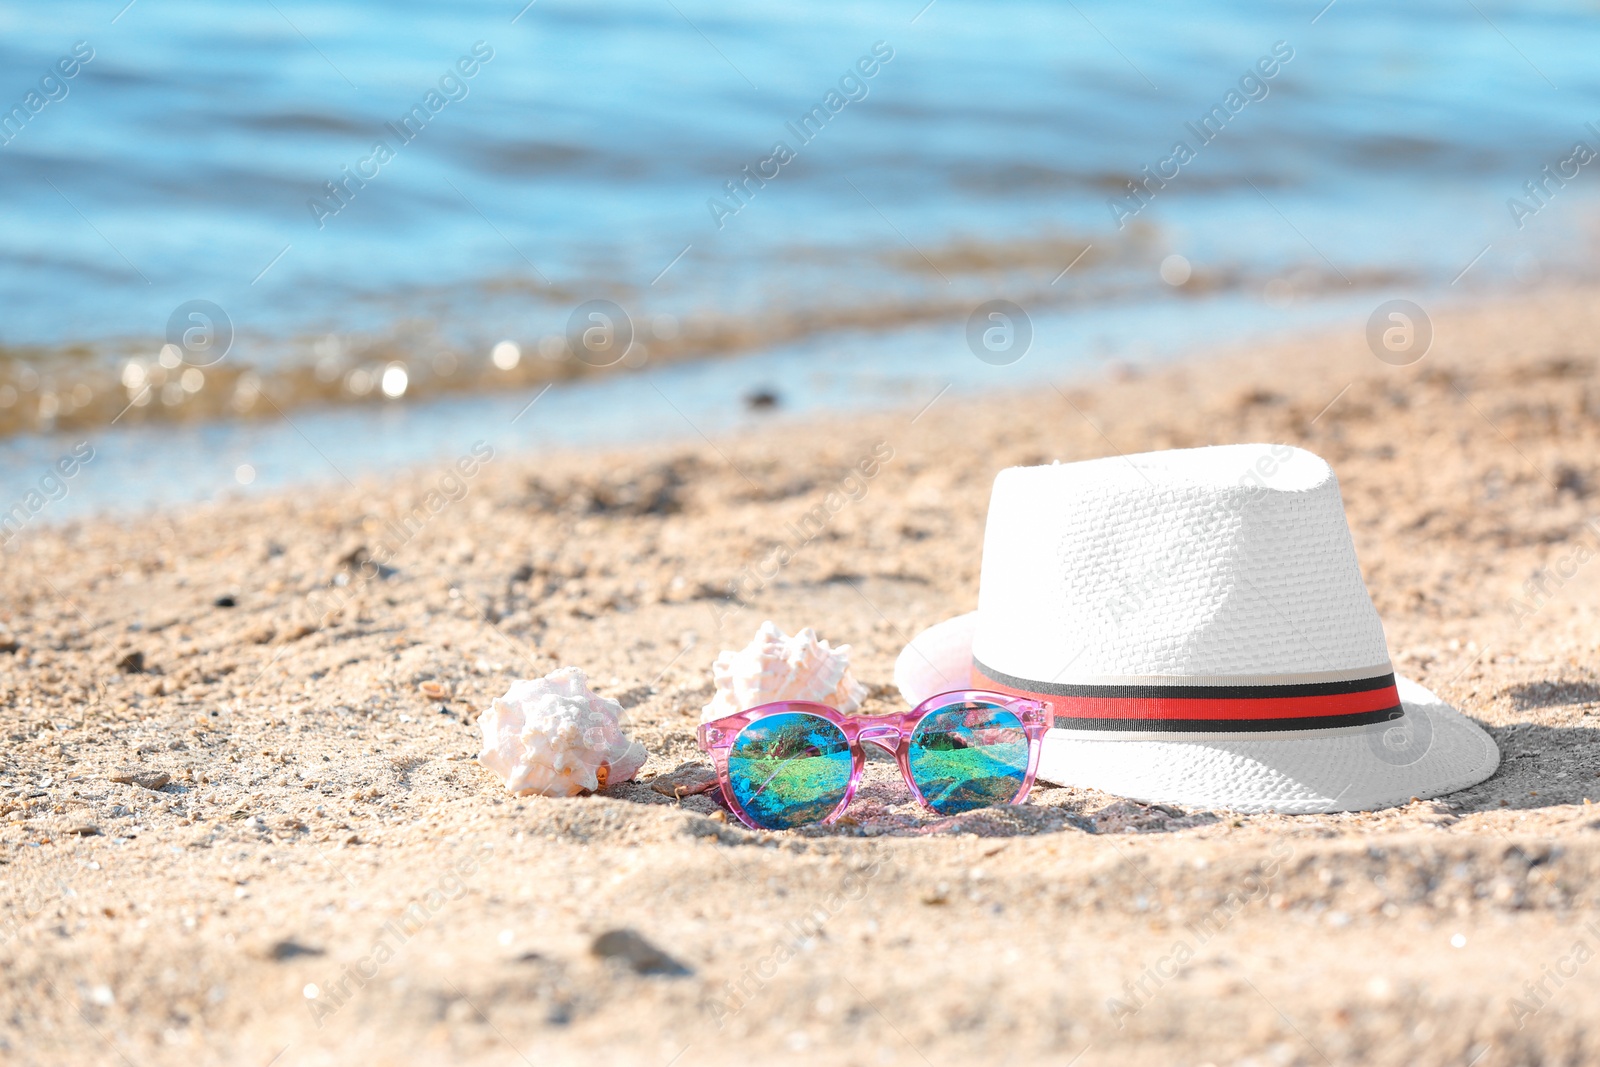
[
  {"x": 139, "y": 467},
  {"x": 188, "y": 160}
]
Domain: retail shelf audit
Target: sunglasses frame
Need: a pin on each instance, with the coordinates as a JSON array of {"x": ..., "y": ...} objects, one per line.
[{"x": 891, "y": 732}]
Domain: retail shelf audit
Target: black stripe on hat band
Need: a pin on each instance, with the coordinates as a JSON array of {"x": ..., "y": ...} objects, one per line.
[
  {"x": 1191, "y": 692},
  {"x": 1231, "y": 726}
]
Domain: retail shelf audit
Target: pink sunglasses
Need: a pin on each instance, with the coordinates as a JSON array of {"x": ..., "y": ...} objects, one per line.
[{"x": 792, "y": 762}]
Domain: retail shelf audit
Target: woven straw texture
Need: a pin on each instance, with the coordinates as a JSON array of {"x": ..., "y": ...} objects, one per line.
[{"x": 1232, "y": 560}]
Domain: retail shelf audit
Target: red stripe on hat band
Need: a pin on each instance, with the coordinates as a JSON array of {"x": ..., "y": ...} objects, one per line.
[{"x": 1317, "y": 705}]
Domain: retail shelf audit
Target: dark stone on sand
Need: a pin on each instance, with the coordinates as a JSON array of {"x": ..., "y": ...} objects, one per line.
[
  {"x": 630, "y": 948},
  {"x": 288, "y": 949},
  {"x": 132, "y": 663},
  {"x": 761, "y": 400},
  {"x": 227, "y": 600}
]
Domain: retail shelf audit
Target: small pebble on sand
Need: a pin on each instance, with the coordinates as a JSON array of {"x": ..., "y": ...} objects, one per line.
[
  {"x": 630, "y": 947},
  {"x": 140, "y": 776}
]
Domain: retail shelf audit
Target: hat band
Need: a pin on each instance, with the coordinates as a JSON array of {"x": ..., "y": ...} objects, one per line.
[{"x": 1207, "y": 708}]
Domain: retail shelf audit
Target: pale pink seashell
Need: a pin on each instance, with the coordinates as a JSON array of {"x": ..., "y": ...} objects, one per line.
[
  {"x": 556, "y": 737},
  {"x": 775, "y": 666}
]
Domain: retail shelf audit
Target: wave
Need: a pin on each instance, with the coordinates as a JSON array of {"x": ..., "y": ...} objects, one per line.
[{"x": 141, "y": 380}]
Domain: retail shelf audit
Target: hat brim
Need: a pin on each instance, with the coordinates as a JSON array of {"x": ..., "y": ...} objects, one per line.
[{"x": 1430, "y": 751}]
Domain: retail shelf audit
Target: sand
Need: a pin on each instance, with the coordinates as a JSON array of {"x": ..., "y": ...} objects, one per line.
[{"x": 305, "y": 672}]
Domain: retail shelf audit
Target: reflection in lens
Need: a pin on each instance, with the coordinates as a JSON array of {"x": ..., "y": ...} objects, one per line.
[
  {"x": 789, "y": 770},
  {"x": 967, "y": 756}
]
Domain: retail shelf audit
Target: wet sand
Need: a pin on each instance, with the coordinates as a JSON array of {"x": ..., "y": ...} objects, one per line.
[{"x": 305, "y": 669}]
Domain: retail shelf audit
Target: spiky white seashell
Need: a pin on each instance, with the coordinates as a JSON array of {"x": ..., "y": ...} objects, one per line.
[
  {"x": 775, "y": 666},
  {"x": 556, "y": 737}
]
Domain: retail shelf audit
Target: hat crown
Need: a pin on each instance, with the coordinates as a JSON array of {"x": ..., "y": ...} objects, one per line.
[{"x": 1228, "y": 562}]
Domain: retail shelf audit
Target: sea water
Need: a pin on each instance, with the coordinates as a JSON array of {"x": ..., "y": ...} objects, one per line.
[{"x": 383, "y": 218}]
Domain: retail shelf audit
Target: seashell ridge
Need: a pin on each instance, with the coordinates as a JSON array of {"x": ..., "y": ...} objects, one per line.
[
  {"x": 556, "y": 737},
  {"x": 775, "y": 666}
]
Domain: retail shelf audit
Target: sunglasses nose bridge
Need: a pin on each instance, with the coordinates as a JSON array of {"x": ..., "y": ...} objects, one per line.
[{"x": 885, "y": 735}]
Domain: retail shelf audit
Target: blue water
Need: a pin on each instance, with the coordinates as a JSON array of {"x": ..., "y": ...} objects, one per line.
[{"x": 577, "y": 161}]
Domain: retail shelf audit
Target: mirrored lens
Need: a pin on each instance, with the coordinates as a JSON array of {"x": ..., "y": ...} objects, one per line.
[
  {"x": 789, "y": 770},
  {"x": 967, "y": 756}
]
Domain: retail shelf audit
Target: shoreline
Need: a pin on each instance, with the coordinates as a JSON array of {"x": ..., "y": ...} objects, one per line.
[
  {"x": 312, "y": 705},
  {"x": 363, "y": 437}
]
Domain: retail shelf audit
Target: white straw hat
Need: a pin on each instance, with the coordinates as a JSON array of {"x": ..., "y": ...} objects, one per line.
[{"x": 1199, "y": 622}]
